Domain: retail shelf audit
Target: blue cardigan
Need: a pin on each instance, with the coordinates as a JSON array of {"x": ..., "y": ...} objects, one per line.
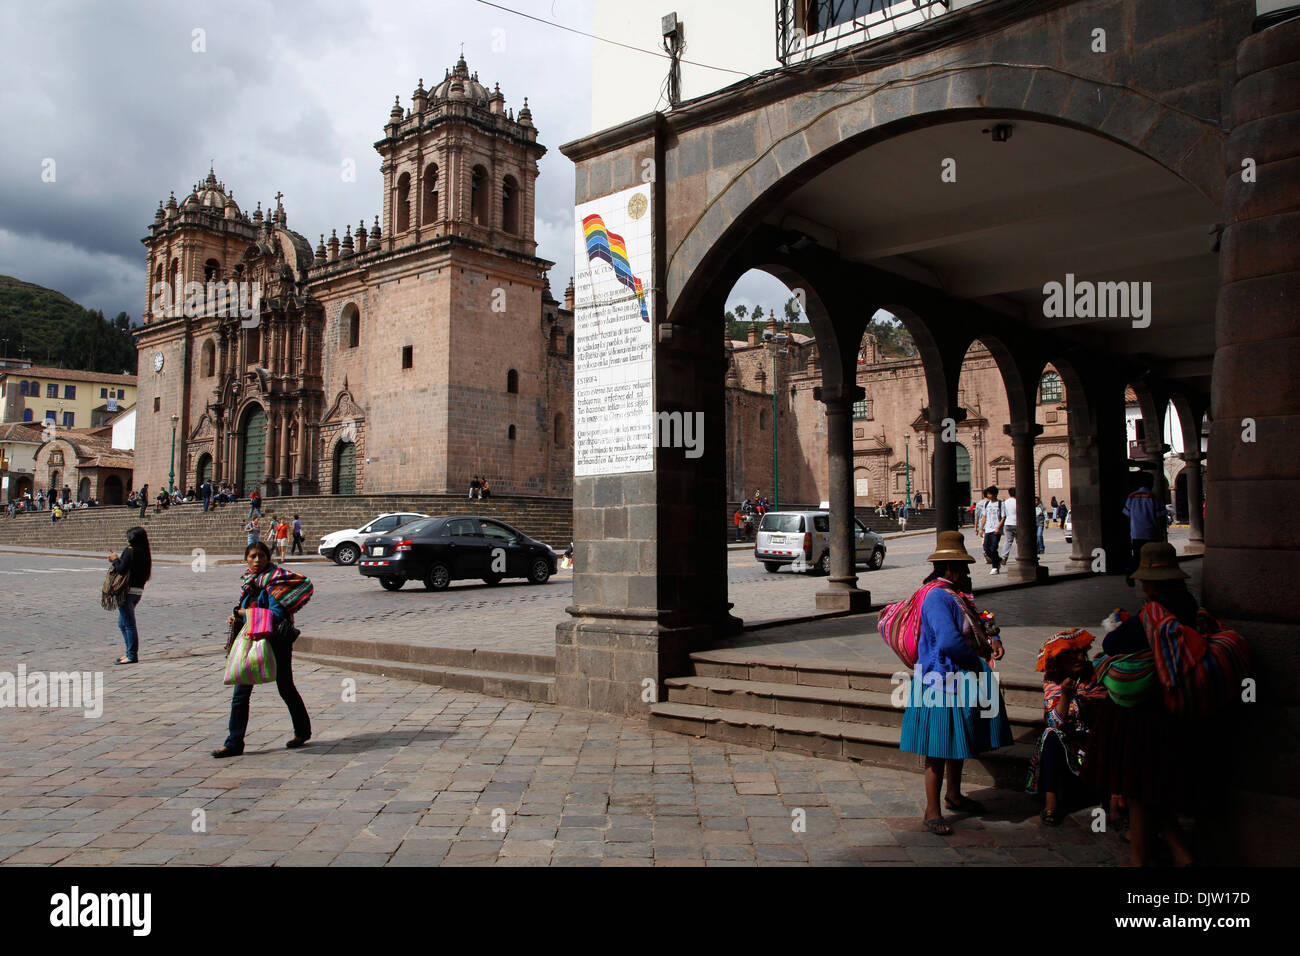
[{"x": 941, "y": 649}]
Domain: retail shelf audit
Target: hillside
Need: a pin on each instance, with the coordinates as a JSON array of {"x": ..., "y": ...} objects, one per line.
[{"x": 49, "y": 328}]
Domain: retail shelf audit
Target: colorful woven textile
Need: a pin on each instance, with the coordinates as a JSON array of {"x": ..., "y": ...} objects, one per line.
[
  {"x": 290, "y": 589},
  {"x": 1129, "y": 679},
  {"x": 900, "y": 624},
  {"x": 1200, "y": 668}
]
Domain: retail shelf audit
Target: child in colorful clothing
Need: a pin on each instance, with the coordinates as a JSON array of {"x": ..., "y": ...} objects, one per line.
[{"x": 1069, "y": 690}]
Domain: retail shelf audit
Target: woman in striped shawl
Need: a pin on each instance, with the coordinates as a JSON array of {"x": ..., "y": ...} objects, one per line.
[{"x": 269, "y": 596}]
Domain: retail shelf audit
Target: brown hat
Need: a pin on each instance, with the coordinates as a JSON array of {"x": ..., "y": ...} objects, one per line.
[
  {"x": 1159, "y": 563},
  {"x": 950, "y": 546}
]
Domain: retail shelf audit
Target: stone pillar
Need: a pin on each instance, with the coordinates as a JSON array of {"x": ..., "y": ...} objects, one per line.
[
  {"x": 1195, "y": 498},
  {"x": 842, "y": 592},
  {"x": 1112, "y": 476},
  {"x": 649, "y": 586},
  {"x": 1252, "y": 551},
  {"x": 1085, "y": 498},
  {"x": 1025, "y": 567},
  {"x": 943, "y": 494}
]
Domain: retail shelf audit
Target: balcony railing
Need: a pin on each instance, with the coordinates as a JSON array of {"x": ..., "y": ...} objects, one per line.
[{"x": 808, "y": 28}]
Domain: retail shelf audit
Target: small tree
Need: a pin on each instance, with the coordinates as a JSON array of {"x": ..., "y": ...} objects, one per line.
[{"x": 741, "y": 312}]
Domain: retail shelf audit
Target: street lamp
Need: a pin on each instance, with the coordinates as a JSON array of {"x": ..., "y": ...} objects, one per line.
[
  {"x": 907, "y": 474},
  {"x": 171, "y": 476}
]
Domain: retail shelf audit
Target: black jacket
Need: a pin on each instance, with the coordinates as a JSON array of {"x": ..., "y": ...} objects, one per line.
[{"x": 124, "y": 564}]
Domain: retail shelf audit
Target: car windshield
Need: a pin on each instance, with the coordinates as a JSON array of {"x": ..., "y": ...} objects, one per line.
[
  {"x": 777, "y": 522},
  {"x": 418, "y": 526}
]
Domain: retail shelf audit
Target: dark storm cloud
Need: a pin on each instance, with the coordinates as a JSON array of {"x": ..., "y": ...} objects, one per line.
[{"x": 280, "y": 97}]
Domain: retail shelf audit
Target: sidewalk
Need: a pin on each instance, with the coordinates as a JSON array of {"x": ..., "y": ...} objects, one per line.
[{"x": 407, "y": 774}]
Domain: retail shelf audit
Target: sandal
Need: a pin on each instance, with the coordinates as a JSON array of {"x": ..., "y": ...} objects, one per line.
[
  {"x": 938, "y": 826},
  {"x": 1051, "y": 818},
  {"x": 964, "y": 805}
]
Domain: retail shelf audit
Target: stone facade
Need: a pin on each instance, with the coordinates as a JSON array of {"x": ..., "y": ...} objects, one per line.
[{"x": 404, "y": 357}]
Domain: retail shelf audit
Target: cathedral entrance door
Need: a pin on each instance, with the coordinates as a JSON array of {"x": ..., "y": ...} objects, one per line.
[
  {"x": 345, "y": 468},
  {"x": 254, "y": 456},
  {"x": 963, "y": 475}
]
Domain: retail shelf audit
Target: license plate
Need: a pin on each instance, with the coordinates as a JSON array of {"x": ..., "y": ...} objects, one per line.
[
  {"x": 777, "y": 539},
  {"x": 377, "y": 552}
]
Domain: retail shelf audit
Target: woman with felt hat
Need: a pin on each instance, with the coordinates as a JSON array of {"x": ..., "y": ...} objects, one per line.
[{"x": 954, "y": 709}]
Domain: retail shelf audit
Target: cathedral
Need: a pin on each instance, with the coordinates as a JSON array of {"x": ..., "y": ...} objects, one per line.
[{"x": 405, "y": 356}]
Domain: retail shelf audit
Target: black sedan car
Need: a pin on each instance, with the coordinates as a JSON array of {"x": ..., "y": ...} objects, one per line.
[{"x": 437, "y": 551}]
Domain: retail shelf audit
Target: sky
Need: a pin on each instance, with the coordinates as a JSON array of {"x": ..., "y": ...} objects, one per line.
[{"x": 109, "y": 107}]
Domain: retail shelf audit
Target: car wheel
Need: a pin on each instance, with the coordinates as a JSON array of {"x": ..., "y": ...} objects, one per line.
[
  {"x": 491, "y": 579},
  {"x": 540, "y": 572},
  {"x": 877, "y": 559},
  {"x": 438, "y": 578},
  {"x": 392, "y": 584},
  {"x": 824, "y": 563},
  {"x": 347, "y": 554},
  {"x": 772, "y": 566}
]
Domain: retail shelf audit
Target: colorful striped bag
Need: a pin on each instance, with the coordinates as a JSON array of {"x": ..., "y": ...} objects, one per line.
[
  {"x": 251, "y": 661},
  {"x": 1200, "y": 668},
  {"x": 900, "y": 624},
  {"x": 1129, "y": 679}
]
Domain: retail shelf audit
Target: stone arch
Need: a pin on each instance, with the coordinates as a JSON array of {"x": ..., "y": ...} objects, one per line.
[
  {"x": 212, "y": 270},
  {"x": 429, "y": 212},
  {"x": 955, "y": 93},
  {"x": 350, "y": 326},
  {"x": 208, "y": 358},
  {"x": 510, "y": 204},
  {"x": 402, "y": 206},
  {"x": 480, "y": 209}
]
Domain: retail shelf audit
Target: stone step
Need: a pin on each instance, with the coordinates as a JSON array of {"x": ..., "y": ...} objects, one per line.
[
  {"x": 534, "y": 688},
  {"x": 868, "y": 743},
  {"x": 473, "y": 659},
  {"x": 765, "y": 664},
  {"x": 823, "y": 703}
]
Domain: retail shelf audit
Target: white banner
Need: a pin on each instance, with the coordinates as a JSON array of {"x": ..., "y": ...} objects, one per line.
[{"x": 613, "y": 377}]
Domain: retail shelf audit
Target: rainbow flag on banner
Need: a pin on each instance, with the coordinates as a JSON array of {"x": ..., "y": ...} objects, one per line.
[{"x": 609, "y": 246}]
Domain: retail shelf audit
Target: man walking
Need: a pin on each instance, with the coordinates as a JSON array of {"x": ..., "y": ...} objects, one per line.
[
  {"x": 1146, "y": 521},
  {"x": 206, "y": 491},
  {"x": 991, "y": 517},
  {"x": 255, "y": 503},
  {"x": 297, "y": 536},
  {"x": 1040, "y": 522},
  {"x": 144, "y": 500},
  {"x": 1009, "y": 526}
]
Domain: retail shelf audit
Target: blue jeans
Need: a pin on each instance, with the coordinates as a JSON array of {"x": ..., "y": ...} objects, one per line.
[
  {"x": 1041, "y": 546},
  {"x": 206, "y": 503},
  {"x": 288, "y": 693},
  {"x": 253, "y": 509},
  {"x": 991, "y": 548},
  {"x": 126, "y": 624}
]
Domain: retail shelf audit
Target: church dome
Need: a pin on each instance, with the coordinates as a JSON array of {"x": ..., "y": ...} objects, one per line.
[
  {"x": 459, "y": 84},
  {"x": 210, "y": 193}
]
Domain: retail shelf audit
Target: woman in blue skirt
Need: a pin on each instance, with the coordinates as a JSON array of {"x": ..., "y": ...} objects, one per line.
[{"x": 954, "y": 708}]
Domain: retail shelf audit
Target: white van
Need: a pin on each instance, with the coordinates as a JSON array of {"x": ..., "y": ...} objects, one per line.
[{"x": 803, "y": 539}]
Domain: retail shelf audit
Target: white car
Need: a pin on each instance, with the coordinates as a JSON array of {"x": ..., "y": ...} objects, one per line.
[
  {"x": 1069, "y": 527},
  {"x": 344, "y": 547},
  {"x": 802, "y": 539}
]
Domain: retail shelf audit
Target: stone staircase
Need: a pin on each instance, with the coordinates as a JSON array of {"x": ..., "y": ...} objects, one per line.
[
  {"x": 182, "y": 528},
  {"x": 826, "y": 709},
  {"x": 495, "y": 673}
]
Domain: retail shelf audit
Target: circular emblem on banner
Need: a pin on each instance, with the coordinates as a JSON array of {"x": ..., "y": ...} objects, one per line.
[{"x": 637, "y": 205}]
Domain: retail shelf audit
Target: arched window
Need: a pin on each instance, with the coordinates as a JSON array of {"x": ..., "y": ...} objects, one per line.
[
  {"x": 559, "y": 430},
  {"x": 1050, "y": 388},
  {"x": 351, "y": 326},
  {"x": 209, "y": 363},
  {"x": 478, "y": 197},
  {"x": 211, "y": 270},
  {"x": 22, "y": 388},
  {"x": 510, "y": 205},
  {"x": 511, "y": 433},
  {"x": 178, "y": 287},
  {"x": 512, "y": 382},
  {"x": 403, "y": 216},
  {"x": 430, "y": 194}
]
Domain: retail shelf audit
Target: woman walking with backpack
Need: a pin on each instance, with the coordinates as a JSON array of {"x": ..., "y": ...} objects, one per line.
[
  {"x": 954, "y": 709},
  {"x": 135, "y": 561},
  {"x": 282, "y": 593}
]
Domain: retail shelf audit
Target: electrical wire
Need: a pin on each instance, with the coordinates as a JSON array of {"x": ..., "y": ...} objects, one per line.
[{"x": 592, "y": 36}]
